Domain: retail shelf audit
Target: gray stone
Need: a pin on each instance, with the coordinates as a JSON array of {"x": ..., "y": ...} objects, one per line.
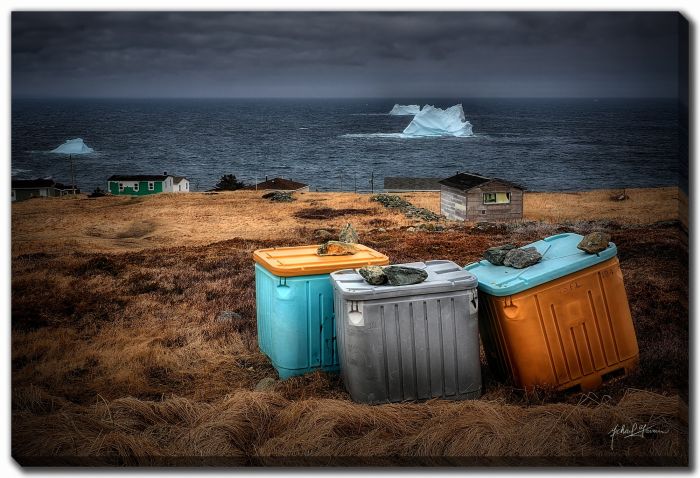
[
  {"x": 267, "y": 383},
  {"x": 373, "y": 275},
  {"x": 521, "y": 258},
  {"x": 349, "y": 235},
  {"x": 594, "y": 242},
  {"x": 381, "y": 229},
  {"x": 402, "y": 275},
  {"x": 228, "y": 315},
  {"x": 336, "y": 248},
  {"x": 323, "y": 235},
  {"x": 495, "y": 255},
  {"x": 411, "y": 229}
]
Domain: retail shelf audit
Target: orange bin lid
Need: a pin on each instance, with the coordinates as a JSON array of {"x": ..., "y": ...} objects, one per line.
[{"x": 303, "y": 260}]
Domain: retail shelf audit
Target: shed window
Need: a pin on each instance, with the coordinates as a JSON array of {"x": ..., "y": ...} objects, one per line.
[
  {"x": 151, "y": 186},
  {"x": 121, "y": 187},
  {"x": 496, "y": 198},
  {"x": 136, "y": 186}
]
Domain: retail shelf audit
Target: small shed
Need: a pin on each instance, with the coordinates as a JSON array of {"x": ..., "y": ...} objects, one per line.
[
  {"x": 397, "y": 184},
  {"x": 472, "y": 197},
  {"x": 280, "y": 184}
]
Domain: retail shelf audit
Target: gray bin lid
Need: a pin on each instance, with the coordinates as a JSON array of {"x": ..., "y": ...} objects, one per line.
[{"x": 443, "y": 276}]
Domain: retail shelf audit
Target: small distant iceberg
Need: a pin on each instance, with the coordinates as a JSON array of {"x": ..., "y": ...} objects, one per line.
[
  {"x": 405, "y": 110},
  {"x": 73, "y": 146},
  {"x": 432, "y": 121}
]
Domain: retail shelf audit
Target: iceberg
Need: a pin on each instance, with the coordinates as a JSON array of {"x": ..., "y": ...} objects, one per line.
[
  {"x": 404, "y": 110},
  {"x": 432, "y": 121},
  {"x": 73, "y": 146}
]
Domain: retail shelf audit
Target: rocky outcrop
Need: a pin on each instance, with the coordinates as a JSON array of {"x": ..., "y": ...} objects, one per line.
[
  {"x": 279, "y": 196},
  {"x": 396, "y": 202}
]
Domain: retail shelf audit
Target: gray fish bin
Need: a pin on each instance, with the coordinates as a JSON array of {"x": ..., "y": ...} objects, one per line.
[{"x": 415, "y": 342}]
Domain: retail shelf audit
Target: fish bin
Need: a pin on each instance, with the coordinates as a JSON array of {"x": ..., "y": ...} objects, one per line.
[
  {"x": 564, "y": 322},
  {"x": 409, "y": 342},
  {"x": 294, "y": 302}
]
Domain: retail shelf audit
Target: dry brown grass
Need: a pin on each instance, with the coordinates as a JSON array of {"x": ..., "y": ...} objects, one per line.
[
  {"x": 249, "y": 427},
  {"x": 111, "y": 224},
  {"x": 643, "y": 206},
  {"x": 118, "y": 355}
]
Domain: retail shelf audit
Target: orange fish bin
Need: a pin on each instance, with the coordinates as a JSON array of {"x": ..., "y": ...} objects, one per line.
[{"x": 564, "y": 322}]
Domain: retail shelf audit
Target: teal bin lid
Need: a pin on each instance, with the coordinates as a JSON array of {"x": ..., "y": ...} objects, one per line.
[{"x": 560, "y": 257}]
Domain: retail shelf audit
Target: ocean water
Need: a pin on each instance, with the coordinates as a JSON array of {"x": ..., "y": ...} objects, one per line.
[{"x": 544, "y": 144}]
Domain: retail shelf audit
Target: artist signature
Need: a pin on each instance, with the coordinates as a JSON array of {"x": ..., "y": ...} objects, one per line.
[{"x": 633, "y": 430}]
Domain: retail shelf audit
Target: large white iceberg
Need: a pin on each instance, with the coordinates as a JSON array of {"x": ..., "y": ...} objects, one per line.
[
  {"x": 73, "y": 146},
  {"x": 404, "y": 110},
  {"x": 432, "y": 121}
]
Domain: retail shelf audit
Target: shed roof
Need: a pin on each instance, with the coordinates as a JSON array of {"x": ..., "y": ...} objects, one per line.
[
  {"x": 281, "y": 184},
  {"x": 177, "y": 179},
  {"x": 411, "y": 184},
  {"x": 32, "y": 183},
  {"x": 467, "y": 181}
]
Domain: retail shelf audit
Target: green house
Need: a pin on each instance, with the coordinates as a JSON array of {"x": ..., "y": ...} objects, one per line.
[{"x": 144, "y": 184}]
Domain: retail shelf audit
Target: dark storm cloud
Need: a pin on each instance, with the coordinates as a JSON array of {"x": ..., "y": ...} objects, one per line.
[{"x": 344, "y": 54}]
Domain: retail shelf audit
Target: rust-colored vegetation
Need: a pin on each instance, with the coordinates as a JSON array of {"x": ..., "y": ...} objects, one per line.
[{"x": 145, "y": 352}]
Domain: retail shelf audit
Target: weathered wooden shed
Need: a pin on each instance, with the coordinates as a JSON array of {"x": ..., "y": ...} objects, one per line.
[{"x": 471, "y": 197}]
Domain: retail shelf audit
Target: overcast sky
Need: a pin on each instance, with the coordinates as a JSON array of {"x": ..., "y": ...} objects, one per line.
[{"x": 446, "y": 54}]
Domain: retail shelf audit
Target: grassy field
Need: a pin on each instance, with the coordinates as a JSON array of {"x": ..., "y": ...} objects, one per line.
[{"x": 119, "y": 354}]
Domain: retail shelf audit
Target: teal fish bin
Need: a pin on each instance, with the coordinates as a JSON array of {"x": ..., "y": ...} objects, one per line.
[{"x": 294, "y": 302}]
